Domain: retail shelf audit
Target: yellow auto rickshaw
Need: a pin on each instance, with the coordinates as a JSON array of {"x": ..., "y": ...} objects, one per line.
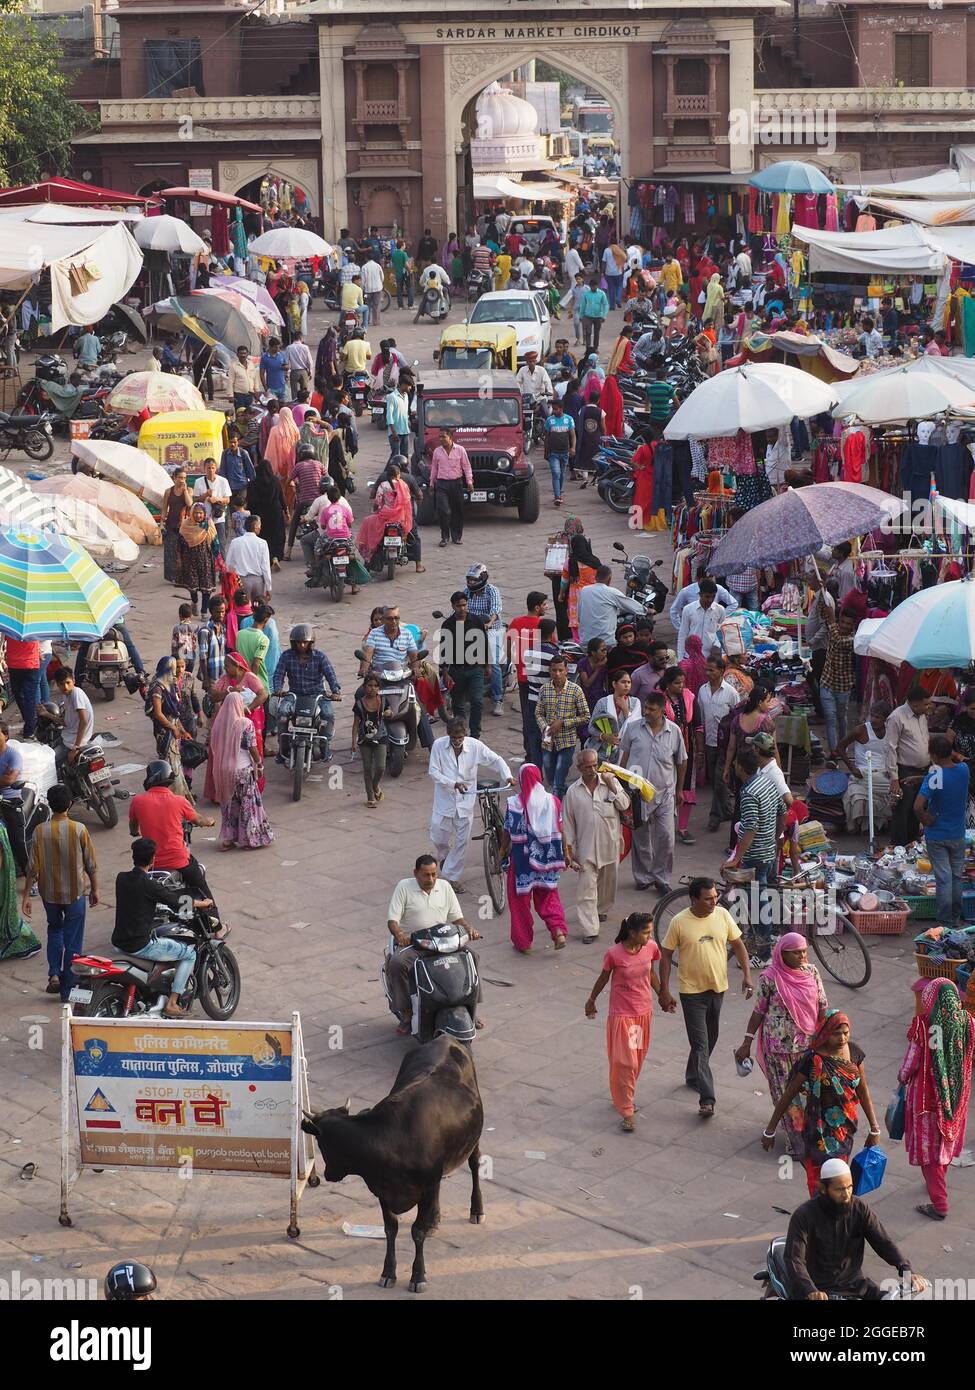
[
  {"x": 184, "y": 438},
  {"x": 478, "y": 346}
]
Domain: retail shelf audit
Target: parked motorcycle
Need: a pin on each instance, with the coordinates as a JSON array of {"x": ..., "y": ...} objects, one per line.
[
  {"x": 444, "y": 984},
  {"x": 302, "y": 737},
  {"x": 641, "y": 580},
  {"x": 108, "y": 665},
  {"x": 122, "y": 986},
  {"x": 28, "y": 434}
]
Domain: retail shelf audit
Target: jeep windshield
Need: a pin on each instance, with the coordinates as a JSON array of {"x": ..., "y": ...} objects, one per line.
[
  {"x": 465, "y": 358},
  {"x": 465, "y": 412},
  {"x": 504, "y": 311}
]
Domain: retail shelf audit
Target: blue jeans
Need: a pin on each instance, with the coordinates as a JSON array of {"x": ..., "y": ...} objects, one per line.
[
  {"x": 167, "y": 948},
  {"x": 25, "y": 686},
  {"x": 762, "y": 929},
  {"x": 400, "y": 444},
  {"x": 555, "y": 767},
  {"x": 835, "y": 706},
  {"x": 65, "y": 935},
  {"x": 557, "y": 463},
  {"x": 947, "y": 863},
  {"x": 404, "y": 285},
  {"x": 614, "y": 290}
]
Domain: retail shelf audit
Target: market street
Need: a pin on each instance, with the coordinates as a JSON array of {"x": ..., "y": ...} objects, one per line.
[{"x": 575, "y": 1209}]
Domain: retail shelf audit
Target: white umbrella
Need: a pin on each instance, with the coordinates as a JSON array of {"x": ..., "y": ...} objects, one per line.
[
  {"x": 100, "y": 536},
  {"x": 903, "y": 394},
  {"x": 754, "y": 397},
  {"x": 130, "y": 468},
  {"x": 289, "y": 244},
  {"x": 166, "y": 233},
  {"x": 20, "y": 506}
]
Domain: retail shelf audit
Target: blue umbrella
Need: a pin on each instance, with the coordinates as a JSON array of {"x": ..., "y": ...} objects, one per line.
[
  {"x": 792, "y": 176},
  {"x": 933, "y": 628}
]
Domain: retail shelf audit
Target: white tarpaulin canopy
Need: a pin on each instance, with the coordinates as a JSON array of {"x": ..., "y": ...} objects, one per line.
[
  {"x": 91, "y": 268},
  {"x": 946, "y": 183},
  {"x": 59, "y": 215},
  {"x": 927, "y": 211},
  {"x": 500, "y": 186},
  {"x": 903, "y": 250}
]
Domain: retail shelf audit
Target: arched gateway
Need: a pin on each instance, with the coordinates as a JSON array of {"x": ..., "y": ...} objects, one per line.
[{"x": 395, "y": 83}]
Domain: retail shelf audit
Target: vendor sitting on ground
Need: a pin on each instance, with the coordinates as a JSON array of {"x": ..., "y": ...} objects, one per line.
[{"x": 867, "y": 738}]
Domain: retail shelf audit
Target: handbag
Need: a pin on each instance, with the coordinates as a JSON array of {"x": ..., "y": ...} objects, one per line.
[
  {"x": 192, "y": 753},
  {"x": 894, "y": 1114},
  {"x": 556, "y": 558},
  {"x": 868, "y": 1168}
]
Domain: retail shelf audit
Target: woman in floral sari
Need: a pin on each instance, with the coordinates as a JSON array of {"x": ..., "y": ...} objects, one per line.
[
  {"x": 938, "y": 1084},
  {"x": 830, "y": 1077},
  {"x": 392, "y": 505},
  {"x": 17, "y": 941}
]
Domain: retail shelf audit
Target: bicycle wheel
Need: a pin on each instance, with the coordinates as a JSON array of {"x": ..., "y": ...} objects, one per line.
[
  {"x": 495, "y": 876},
  {"x": 665, "y": 911},
  {"x": 843, "y": 954}
]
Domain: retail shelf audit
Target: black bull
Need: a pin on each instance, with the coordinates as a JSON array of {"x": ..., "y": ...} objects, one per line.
[{"x": 428, "y": 1125}]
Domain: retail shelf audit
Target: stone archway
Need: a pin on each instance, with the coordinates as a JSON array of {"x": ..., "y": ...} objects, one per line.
[
  {"x": 236, "y": 174},
  {"x": 469, "y": 69}
]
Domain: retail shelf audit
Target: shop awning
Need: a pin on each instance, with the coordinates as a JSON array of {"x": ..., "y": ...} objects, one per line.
[
  {"x": 91, "y": 268},
  {"x": 904, "y": 250},
  {"x": 58, "y": 215},
  {"x": 70, "y": 193},
  {"x": 946, "y": 183},
  {"x": 490, "y": 186},
  {"x": 927, "y": 211}
]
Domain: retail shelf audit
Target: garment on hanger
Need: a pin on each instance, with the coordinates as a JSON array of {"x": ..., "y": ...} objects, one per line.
[
  {"x": 952, "y": 470},
  {"x": 832, "y": 222},
  {"x": 854, "y": 454},
  {"x": 866, "y": 222}
]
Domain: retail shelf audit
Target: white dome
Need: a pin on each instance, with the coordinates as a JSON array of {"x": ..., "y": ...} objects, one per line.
[{"x": 499, "y": 113}]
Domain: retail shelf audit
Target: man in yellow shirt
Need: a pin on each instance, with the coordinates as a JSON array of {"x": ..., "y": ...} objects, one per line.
[
  {"x": 352, "y": 297},
  {"x": 701, "y": 935},
  {"x": 356, "y": 354}
]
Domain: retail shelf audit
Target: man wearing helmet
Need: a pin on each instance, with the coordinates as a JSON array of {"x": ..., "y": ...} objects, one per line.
[
  {"x": 356, "y": 354},
  {"x": 129, "y": 1282},
  {"x": 308, "y": 672},
  {"x": 484, "y": 601},
  {"x": 158, "y": 814}
]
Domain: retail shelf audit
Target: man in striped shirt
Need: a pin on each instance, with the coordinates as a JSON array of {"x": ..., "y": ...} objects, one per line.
[
  {"x": 762, "y": 820},
  {"x": 306, "y": 473},
  {"x": 61, "y": 856}
]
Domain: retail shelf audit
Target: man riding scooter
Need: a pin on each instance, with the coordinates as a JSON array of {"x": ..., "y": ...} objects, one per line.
[
  {"x": 307, "y": 672},
  {"x": 435, "y": 279}
]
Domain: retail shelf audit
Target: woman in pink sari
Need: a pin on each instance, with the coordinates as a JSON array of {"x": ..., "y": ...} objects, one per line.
[
  {"x": 694, "y": 665},
  {"x": 611, "y": 404},
  {"x": 237, "y": 679},
  {"x": 280, "y": 449},
  {"x": 937, "y": 1076},
  {"x": 235, "y": 768},
  {"x": 392, "y": 504}
]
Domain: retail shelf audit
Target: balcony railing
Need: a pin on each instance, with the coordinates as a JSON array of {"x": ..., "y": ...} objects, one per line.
[
  {"x": 697, "y": 105},
  {"x": 377, "y": 112},
  {"x": 868, "y": 101},
  {"x": 164, "y": 110}
]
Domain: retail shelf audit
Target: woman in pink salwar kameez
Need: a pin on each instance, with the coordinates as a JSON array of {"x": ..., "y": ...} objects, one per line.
[{"x": 937, "y": 1075}]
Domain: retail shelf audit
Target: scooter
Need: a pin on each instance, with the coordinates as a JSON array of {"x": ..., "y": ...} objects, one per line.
[
  {"x": 444, "y": 984},
  {"x": 433, "y": 305},
  {"x": 641, "y": 581},
  {"x": 108, "y": 665},
  {"x": 399, "y": 694},
  {"x": 336, "y": 556},
  {"x": 477, "y": 283},
  {"x": 392, "y": 551},
  {"x": 348, "y": 323},
  {"x": 125, "y": 985},
  {"x": 774, "y": 1278}
]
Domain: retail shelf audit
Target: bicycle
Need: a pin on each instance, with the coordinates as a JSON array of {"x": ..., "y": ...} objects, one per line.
[
  {"x": 836, "y": 942},
  {"x": 489, "y": 801}
]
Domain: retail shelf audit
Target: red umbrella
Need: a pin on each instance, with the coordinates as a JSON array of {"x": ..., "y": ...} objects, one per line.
[
  {"x": 210, "y": 195},
  {"x": 68, "y": 193}
]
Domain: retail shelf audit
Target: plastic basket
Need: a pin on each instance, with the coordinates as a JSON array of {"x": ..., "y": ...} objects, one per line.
[
  {"x": 881, "y": 923},
  {"x": 931, "y": 968},
  {"x": 921, "y": 907}
]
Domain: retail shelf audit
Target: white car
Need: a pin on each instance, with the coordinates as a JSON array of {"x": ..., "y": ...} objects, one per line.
[{"x": 525, "y": 311}]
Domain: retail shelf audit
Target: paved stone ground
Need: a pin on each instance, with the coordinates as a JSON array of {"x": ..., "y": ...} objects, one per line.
[{"x": 575, "y": 1208}]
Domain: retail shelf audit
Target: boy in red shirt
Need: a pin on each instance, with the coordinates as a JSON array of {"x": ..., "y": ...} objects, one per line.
[{"x": 519, "y": 642}]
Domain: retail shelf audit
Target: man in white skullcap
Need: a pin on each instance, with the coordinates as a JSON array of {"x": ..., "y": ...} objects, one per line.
[{"x": 824, "y": 1246}]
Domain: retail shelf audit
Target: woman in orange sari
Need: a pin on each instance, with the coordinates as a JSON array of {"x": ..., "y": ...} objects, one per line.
[
  {"x": 280, "y": 449},
  {"x": 393, "y": 504}
]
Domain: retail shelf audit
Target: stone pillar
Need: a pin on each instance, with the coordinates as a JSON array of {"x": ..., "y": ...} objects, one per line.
[
  {"x": 335, "y": 196},
  {"x": 437, "y": 158},
  {"x": 741, "y": 92}
]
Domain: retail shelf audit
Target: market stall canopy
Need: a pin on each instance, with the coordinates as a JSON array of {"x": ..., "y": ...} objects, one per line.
[
  {"x": 792, "y": 176},
  {"x": 50, "y": 587},
  {"x": 945, "y": 183},
  {"x": 257, "y": 295},
  {"x": 903, "y": 250},
  {"x": 799, "y": 522},
  {"x": 91, "y": 267},
  {"x": 71, "y": 193},
  {"x": 812, "y": 353},
  {"x": 931, "y": 629},
  {"x": 166, "y": 233},
  {"x": 211, "y": 196},
  {"x": 118, "y": 504},
  {"x": 758, "y": 397},
  {"x": 99, "y": 535},
  {"x": 154, "y": 391},
  {"x": 888, "y": 397},
  {"x": 57, "y": 215},
  {"x": 926, "y": 211},
  {"x": 289, "y": 244},
  {"x": 491, "y": 186},
  {"x": 130, "y": 468},
  {"x": 247, "y": 309}
]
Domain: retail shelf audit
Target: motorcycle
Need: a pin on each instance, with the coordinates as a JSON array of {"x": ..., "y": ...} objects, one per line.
[
  {"x": 123, "y": 986},
  {"x": 302, "y": 738},
  {"x": 641, "y": 581},
  {"x": 534, "y": 417},
  {"x": 433, "y": 305},
  {"x": 477, "y": 283},
  {"x": 444, "y": 984},
  {"x": 29, "y": 434},
  {"x": 360, "y": 388},
  {"x": 377, "y": 409},
  {"x": 774, "y": 1278},
  {"x": 399, "y": 693},
  {"x": 89, "y": 776},
  {"x": 108, "y": 665},
  {"x": 348, "y": 323},
  {"x": 392, "y": 551},
  {"x": 336, "y": 556}
]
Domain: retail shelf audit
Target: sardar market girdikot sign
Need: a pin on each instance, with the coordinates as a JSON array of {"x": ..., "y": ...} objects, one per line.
[{"x": 529, "y": 32}]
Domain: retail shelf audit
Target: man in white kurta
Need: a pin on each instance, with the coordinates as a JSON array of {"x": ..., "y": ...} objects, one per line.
[
  {"x": 454, "y": 760},
  {"x": 593, "y": 838}
]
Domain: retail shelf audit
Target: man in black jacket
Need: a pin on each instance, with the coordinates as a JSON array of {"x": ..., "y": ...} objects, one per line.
[
  {"x": 824, "y": 1246},
  {"x": 136, "y": 898}
]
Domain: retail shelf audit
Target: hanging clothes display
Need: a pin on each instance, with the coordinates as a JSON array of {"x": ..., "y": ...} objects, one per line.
[
  {"x": 805, "y": 211},
  {"x": 783, "y": 221},
  {"x": 832, "y": 223},
  {"x": 866, "y": 222},
  {"x": 853, "y": 450},
  {"x": 733, "y": 455}
]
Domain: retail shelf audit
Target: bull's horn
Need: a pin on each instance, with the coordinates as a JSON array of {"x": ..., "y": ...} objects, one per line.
[{"x": 307, "y": 1114}]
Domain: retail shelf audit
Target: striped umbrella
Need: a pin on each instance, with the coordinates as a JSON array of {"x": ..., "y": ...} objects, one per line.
[
  {"x": 50, "y": 587},
  {"x": 933, "y": 628},
  {"x": 19, "y": 506}
]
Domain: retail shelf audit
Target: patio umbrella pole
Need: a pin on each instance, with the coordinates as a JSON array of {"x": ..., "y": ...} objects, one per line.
[{"x": 870, "y": 801}]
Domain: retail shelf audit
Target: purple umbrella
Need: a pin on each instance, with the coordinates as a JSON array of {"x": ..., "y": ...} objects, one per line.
[{"x": 801, "y": 521}]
